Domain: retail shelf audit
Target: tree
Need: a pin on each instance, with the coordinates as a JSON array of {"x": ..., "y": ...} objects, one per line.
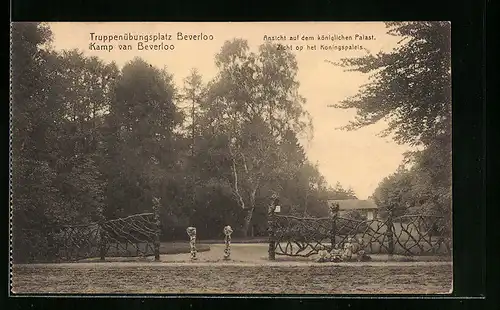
[
  {"x": 85, "y": 92},
  {"x": 339, "y": 193},
  {"x": 431, "y": 183},
  {"x": 140, "y": 148},
  {"x": 193, "y": 93},
  {"x": 253, "y": 103},
  {"x": 93, "y": 141},
  {"x": 410, "y": 87},
  {"x": 35, "y": 108},
  {"x": 37, "y": 203},
  {"x": 395, "y": 192}
]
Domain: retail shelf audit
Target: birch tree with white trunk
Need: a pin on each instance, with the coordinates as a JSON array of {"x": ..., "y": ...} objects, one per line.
[{"x": 254, "y": 102}]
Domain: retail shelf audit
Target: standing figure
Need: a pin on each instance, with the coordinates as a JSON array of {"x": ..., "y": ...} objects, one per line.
[
  {"x": 191, "y": 231},
  {"x": 227, "y": 240},
  {"x": 347, "y": 253},
  {"x": 323, "y": 254},
  {"x": 360, "y": 251},
  {"x": 336, "y": 254}
]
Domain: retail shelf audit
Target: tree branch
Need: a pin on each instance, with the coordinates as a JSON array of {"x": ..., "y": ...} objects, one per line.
[
  {"x": 244, "y": 162},
  {"x": 236, "y": 188}
]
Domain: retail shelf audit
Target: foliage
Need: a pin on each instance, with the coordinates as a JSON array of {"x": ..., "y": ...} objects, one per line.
[
  {"x": 94, "y": 142},
  {"x": 410, "y": 88},
  {"x": 354, "y": 214},
  {"x": 253, "y": 109},
  {"x": 140, "y": 152},
  {"x": 414, "y": 190},
  {"x": 394, "y": 193}
]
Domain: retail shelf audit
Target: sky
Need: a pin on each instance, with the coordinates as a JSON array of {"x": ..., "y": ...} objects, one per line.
[{"x": 358, "y": 159}]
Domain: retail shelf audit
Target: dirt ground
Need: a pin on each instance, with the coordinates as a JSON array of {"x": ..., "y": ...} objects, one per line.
[{"x": 247, "y": 272}]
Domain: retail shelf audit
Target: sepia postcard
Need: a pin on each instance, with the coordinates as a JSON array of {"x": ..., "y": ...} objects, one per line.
[{"x": 231, "y": 158}]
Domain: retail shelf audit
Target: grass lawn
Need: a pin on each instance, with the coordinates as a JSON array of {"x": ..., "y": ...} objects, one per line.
[
  {"x": 165, "y": 248},
  {"x": 236, "y": 240},
  {"x": 181, "y": 247},
  {"x": 178, "y": 279}
]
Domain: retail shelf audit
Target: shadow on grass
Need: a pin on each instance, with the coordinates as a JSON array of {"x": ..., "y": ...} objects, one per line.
[
  {"x": 166, "y": 248},
  {"x": 181, "y": 248}
]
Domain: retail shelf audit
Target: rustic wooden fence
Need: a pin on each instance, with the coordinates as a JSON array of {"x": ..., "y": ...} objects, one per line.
[
  {"x": 405, "y": 235},
  {"x": 135, "y": 235}
]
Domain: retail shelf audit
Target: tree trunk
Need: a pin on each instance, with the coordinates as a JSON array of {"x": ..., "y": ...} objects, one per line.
[
  {"x": 248, "y": 217},
  {"x": 246, "y": 222},
  {"x": 305, "y": 202}
]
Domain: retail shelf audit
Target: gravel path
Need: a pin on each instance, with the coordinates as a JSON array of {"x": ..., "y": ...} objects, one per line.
[{"x": 247, "y": 272}]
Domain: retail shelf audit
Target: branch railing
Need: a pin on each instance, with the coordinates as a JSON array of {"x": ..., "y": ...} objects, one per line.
[
  {"x": 409, "y": 235},
  {"x": 135, "y": 235}
]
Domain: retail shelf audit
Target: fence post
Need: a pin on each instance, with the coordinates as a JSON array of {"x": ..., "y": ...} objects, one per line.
[
  {"x": 390, "y": 231},
  {"x": 103, "y": 242},
  {"x": 333, "y": 229},
  {"x": 271, "y": 226},
  {"x": 50, "y": 253},
  {"x": 156, "y": 241}
]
